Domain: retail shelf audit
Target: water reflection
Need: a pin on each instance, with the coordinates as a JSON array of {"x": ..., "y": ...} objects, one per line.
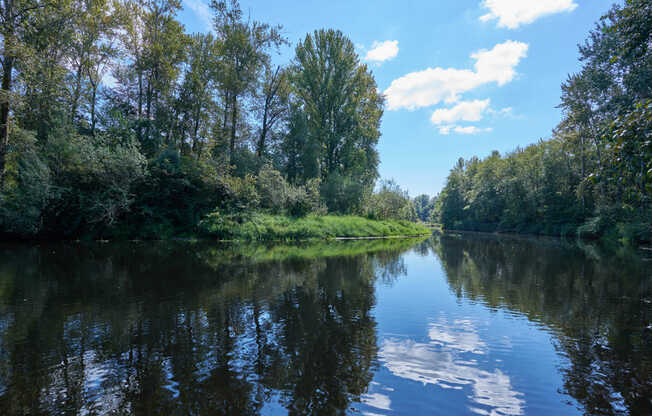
[
  {"x": 191, "y": 328},
  {"x": 188, "y": 328},
  {"x": 598, "y": 304},
  {"x": 450, "y": 361}
]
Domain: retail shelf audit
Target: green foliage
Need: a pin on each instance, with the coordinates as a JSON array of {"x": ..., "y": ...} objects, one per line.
[
  {"x": 303, "y": 200},
  {"x": 595, "y": 175},
  {"x": 258, "y": 226},
  {"x": 343, "y": 194},
  {"x": 631, "y": 139},
  {"x": 390, "y": 202},
  {"x": 273, "y": 189},
  {"x": 343, "y": 108},
  {"x": 177, "y": 192},
  {"x": 244, "y": 194},
  {"x": 27, "y": 186},
  {"x": 424, "y": 207},
  {"x": 190, "y": 124},
  {"x": 94, "y": 178}
]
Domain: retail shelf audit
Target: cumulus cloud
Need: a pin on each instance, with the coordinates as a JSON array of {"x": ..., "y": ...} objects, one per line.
[
  {"x": 497, "y": 65},
  {"x": 464, "y": 111},
  {"x": 448, "y": 128},
  {"x": 514, "y": 13},
  {"x": 433, "y": 85},
  {"x": 201, "y": 10},
  {"x": 382, "y": 51},
  {"x": 471, "y": 130}
]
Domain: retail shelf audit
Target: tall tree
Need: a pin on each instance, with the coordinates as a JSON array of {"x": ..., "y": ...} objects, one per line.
[
  {"x": 272, "y": 105},
  {"x": 93, "y": 45},
  {"x": 196, "y": 102},
  {"x": 342, "y": 104},
  {"x": 156, "y": 45},
  {"x": 244, "y": 54}
]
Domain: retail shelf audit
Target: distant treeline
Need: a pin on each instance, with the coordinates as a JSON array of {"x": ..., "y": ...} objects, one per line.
[
  {"x": 594, "y": 176},
  {"x": 115, "y": 121}
]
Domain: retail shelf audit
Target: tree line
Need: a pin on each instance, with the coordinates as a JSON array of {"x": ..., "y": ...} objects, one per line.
[
  {"x": 115, "y": 121},
  {"x": 594, "y": 175}
]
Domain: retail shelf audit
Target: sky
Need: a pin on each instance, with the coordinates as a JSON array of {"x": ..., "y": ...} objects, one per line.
[{"x": 461, "y": 78}]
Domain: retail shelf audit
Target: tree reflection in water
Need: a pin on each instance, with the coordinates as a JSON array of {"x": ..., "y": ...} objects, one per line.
[
  {"x": 180, "y": 328},
  {"x": 599, "y": 305},
  {"x": 191, "y": 328}
]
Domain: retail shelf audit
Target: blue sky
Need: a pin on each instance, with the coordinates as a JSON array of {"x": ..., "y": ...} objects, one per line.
[{"x": 462, "y": 78}]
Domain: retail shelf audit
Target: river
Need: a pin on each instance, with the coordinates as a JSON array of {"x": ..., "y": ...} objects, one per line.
[{"x": 451, "y": 325}]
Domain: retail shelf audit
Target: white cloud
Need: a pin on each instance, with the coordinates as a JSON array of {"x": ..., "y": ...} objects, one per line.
[
  {"x": 448, "y": 128},
  {"x": 433, "y": 85},
  {"x": 464, "y": 111},
  {"x": 202, "y": 11},
  {"x": 471, "y": 130},
  {"x": 514, "y": 13},
  {"x": 382, "y": 51},
  {"x": 502, "y": 112}
]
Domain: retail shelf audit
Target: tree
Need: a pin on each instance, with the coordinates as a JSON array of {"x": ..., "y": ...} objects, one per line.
[
  {"x": 96, "y": 24},
  {"x": 15, "y": 17},
  {"x": 196, "y": 106},
  {"x": 343, "y": 108},
  {"x": 423, "y": 206},
  {"x": 155, "y": 44},
  {"x": 273, "y": 105},
  {"x": 244, "y": 54}
]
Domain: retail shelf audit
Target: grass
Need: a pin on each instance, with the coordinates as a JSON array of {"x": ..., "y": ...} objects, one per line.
[
  {"x": 218, "y": 256},
  {"x": 265, "y": 227}
]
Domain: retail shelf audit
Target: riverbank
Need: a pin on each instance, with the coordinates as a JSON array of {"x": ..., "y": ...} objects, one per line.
[
  {"x": 265, "y": 227},
  {"x": 626, "y": 234}
]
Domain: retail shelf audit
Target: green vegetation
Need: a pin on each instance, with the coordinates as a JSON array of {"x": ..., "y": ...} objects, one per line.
[
  {"x": 227, "y": 255},
  {"x": 275, "y": 227},
  {"x": 190, "y": 124},
  {"x": 194, "y": 124},
  {"x": 593, "y": 178}
]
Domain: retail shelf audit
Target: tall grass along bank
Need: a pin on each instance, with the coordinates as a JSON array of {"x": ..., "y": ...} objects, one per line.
[{"x": 276, "y": 227}]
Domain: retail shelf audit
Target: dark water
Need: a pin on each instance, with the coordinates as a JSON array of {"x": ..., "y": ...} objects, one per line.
[{"x": 448, "y": 326}]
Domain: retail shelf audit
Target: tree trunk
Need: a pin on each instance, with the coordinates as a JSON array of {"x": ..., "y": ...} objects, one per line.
[
  {"x": 93, "y": 101},
  {"x": 140, "y": 105},
  {"x": 195, "y": 141},
  {"x": 76, "y": 94},
  {"x": 263, "y": 134},
  {"x": 4, "y": 113},
  {"x": 234, "y": 119}
]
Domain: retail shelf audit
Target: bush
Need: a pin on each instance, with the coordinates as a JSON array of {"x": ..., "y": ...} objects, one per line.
[
  {"x": 243, "y": 193},
  {"x": 344, "y": 194},
  {"x": 391, "y": 202},
  {"x": 27, "y": 186},
  {"x": 273, "y": 189},
  {"x": 94, "y": 178},
  {"x": 303, "y": 200}
]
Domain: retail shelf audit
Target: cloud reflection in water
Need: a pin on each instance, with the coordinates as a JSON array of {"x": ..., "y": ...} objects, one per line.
[{"x": 448, "y": 361}]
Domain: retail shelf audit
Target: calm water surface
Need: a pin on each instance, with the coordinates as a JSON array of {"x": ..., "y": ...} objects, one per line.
[{"x": 447, "y": 326}]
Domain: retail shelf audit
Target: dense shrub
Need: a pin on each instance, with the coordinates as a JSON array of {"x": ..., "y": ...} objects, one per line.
[
  {"x": 27, "y": 187},
  {"x": 391, "y": 202},
  {"x": 176, "y": 192},
  {"x": 344, "y": 194},
  {"x": 273, "y": 189}
]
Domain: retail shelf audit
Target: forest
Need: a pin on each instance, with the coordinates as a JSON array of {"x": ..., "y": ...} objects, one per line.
[
  {"x": 117, "y": 123},
  {"x": 593, "y": 177}
]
